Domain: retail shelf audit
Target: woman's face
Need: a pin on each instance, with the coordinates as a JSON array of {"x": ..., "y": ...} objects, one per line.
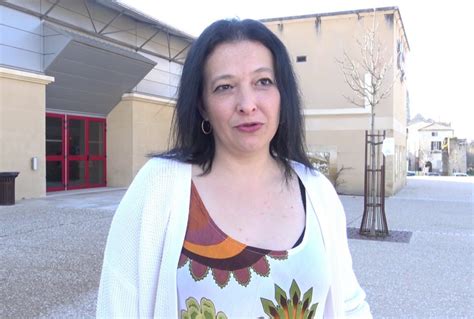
[{"x": 241, "y": 98}]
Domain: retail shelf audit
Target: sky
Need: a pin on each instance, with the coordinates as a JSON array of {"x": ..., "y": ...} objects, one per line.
[{"x": 439, "y": 66}]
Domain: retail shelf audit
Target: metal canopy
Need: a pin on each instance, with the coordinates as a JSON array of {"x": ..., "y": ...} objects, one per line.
[
  {"x": 120, "y": 10},
  {"x": 90, "y": 75}
]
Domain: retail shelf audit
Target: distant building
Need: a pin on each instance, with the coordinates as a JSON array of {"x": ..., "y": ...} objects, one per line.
[
  {"x": 470, "y": 158},
  {"x": 413, "y": 144},
  {"x": 335, "y": 128},
  {"x": 431, "y": 141},
  {"x": 425, "y": 142},
  {"x": 454, "y": 156}
]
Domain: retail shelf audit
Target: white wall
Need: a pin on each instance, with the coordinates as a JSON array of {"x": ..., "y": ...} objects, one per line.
[{"x": 426, "y": 154}]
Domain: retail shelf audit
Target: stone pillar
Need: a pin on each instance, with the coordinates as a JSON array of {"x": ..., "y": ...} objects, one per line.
[
  {"x": 22, "y": 129},
  {"x": 137, "y": 126}
]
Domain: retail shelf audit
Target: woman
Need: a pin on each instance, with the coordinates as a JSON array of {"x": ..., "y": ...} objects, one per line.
[{"x": 233, "y": 221}]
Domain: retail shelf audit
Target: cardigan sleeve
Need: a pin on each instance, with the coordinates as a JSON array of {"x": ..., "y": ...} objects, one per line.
[
  {"x": 355, "y": 305},
  {"x": 144, "y": 244},
  {"x": 118, "y": 291}
]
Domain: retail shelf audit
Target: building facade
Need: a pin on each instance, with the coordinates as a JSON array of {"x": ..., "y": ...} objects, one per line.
[
  {"x": 334, "y": 126},
  {"x": 454, "y": 156},
  {"x": 87, "y": 91},
  {"x": 425, "y": 145},
  {"x": 470, "y": 158}
]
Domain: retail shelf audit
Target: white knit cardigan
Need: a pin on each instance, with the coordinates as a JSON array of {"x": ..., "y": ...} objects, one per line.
[{"x": 147, "y": 233}]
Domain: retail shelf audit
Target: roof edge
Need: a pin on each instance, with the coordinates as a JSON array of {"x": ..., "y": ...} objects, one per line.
[
  {"x": 345, "y": 12},
  {"x": 143, "y": 17},
  {"x": 328, "y": 14},
  {"x": 446, "y": 127}
]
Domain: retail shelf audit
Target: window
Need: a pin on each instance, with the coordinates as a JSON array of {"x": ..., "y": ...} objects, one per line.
[
  {"x": 301, "y": 58},
  {"x": 434, "y": 133},
  {"x": 436, "y": 146}
]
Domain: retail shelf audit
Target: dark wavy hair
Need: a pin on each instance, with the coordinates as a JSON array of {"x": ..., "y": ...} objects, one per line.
[{"x": 189, "y": 144}]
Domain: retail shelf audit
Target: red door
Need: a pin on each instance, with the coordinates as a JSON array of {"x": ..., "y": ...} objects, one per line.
[
  {"x": 55, "y": 152},
  {"x": 75, "y": 152},
  {"x": 86, "y": 159}
]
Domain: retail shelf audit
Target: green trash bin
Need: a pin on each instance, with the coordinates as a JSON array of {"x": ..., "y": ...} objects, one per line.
[{"x": 7, "y": 188}]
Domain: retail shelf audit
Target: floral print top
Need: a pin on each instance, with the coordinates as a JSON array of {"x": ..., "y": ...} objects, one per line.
[{"x": 220, "y": 277}]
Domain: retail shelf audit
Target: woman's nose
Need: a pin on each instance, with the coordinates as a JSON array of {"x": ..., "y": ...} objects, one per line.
[{"x": 246, "y": 101}]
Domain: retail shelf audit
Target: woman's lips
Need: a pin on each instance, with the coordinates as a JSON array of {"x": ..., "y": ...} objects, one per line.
[{"x": 249, "y": 127}]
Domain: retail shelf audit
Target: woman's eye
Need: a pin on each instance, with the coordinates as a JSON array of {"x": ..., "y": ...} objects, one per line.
[
  {"x": 222, "y": 87},
  {"x": 265, "y": 81}
]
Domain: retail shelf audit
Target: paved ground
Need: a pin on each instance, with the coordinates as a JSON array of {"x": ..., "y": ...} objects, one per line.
[
  {"x": 433, "y": 275},
  {"x": 51, "y": 252}
]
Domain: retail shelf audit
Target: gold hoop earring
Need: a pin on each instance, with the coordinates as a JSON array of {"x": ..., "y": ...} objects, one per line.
[{"x": 206, "y": 124}]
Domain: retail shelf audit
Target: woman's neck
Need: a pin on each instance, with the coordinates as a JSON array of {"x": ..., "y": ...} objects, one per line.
[{"x": 251, "y": 167}]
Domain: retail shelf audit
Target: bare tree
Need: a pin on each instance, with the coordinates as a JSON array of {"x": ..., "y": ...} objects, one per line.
[
  {"x": 367, "y": 75},
  {"x": 368, "y": 78}
]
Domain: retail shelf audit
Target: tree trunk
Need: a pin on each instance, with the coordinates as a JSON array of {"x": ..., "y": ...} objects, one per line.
[{"x": 373, "y": 193}]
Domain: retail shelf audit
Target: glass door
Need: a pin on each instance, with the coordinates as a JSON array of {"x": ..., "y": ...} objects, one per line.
[
  {"x": 86, "y": 161},
  {"x": 96, "y": 150},
  {"x": 77, "y": 154},
  {"x": 55, "y": 152}
]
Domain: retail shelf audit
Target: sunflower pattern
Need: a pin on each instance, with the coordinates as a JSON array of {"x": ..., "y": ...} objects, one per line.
[
  {"x": 219, "y": 277},
  {"x": 207, "y": 249},
  {"x": 203, "y": 310},
  {"x": 291, "y": 306}
]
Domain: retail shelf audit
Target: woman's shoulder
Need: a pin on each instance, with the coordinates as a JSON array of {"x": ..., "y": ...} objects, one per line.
[
  {"x": 312, "y": 178},
  {"x": 161, "y": 169},
  {"x": 161, "y": 164},
  {"x": 307, "y": 172},
  {"x": 321, "y": 191}
]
